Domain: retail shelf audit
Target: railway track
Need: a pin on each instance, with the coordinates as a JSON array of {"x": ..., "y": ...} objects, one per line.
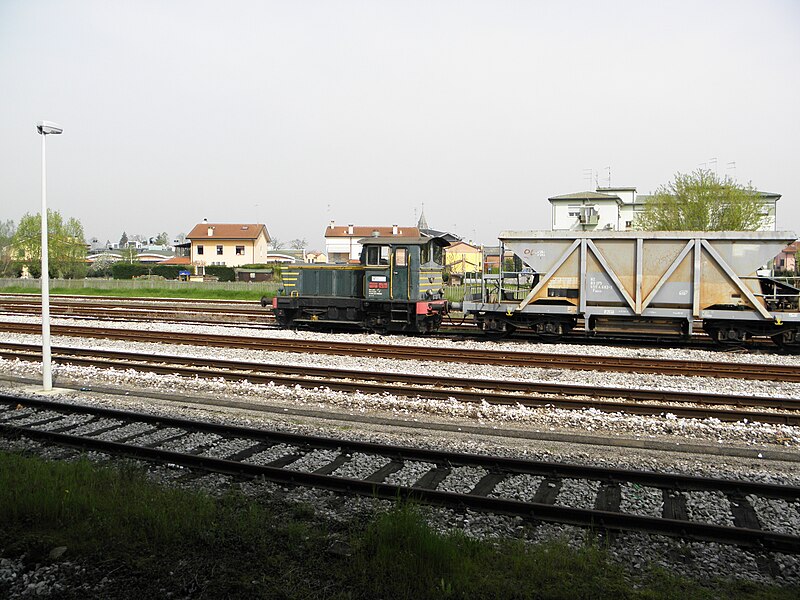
[
  {"x": 499, "y": 392},
  {"x": 249, "y": 313},
  {"x": 533, "y": 490},
  {"x": 142, "y": 309},
  {"x": 734, "y": 370}
]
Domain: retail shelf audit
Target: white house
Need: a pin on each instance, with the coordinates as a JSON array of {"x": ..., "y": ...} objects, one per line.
[
  {"x": 615, "y": 208},
  {"x": 228, "y": 244},
  {"x": 341, "y": 242}
]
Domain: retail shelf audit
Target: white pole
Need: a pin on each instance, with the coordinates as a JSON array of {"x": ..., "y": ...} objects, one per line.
[{"x": 47, "y": 374}]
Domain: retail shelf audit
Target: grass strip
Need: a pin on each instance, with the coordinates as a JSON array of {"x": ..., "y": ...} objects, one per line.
[{"x": 155, "y": 541}]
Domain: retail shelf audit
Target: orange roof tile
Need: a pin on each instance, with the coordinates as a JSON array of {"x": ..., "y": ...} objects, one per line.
[
  {"x": 176, "y": 260},
  {"x": 228, "y": 231},
  {"x": 360, "y": 231}
]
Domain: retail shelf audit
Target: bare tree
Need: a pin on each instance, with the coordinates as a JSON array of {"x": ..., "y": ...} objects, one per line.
[{"x": 298, "y": 243}]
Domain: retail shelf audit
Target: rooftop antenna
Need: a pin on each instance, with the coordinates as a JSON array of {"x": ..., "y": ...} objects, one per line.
[
  {"x": 609, "y": 176},
  {"x": 731, "y": 166},
  {"x": 587, "y": 174},
  {"x": 713, "y": 160}
]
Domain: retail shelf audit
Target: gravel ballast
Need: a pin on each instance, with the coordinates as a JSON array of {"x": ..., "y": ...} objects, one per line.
[{"x": 634, "y": 550}]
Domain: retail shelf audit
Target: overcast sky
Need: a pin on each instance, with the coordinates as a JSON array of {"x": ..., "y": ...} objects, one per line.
[{"x": 297, "y": 113}]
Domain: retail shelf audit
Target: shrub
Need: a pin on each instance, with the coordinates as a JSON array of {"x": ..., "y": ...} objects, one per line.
[
  {"x": 169, "y": 271},
  {"x": 125, "y": 270},
  {"x": 222, "y": 273}
]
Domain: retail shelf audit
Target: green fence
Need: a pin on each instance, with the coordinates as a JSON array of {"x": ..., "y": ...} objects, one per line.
[{"x": 139, "y": 284}]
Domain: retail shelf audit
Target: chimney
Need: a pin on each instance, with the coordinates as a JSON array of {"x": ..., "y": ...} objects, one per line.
[
  {"x": 331, "y": 226},
  {"x": 205, "y": 220},
  {"x": 394, "y": 229},
  {"x": 350, "y": 229},
  {"x": 210, "y": 231},
  {"x": 375, "y": 233}
]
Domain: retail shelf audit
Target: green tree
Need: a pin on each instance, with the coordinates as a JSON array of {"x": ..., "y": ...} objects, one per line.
[
  {"x": 162, "y": 239},
  {"x": 701, "y": 201},
  {"x": 129, "y": 254},
  {"x": 7, "y": 230},
  {"x": 65, "y": 243},
  {"x": 123, "y": 241}
]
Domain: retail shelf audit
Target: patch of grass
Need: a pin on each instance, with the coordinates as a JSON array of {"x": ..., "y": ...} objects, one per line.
[
  {"x": 158, "y": 541},
  {"x": 195, "y": 293},
  {"x": 400, "y": 557}
]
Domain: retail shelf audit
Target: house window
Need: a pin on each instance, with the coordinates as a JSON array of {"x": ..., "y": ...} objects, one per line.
[
  {"x": 239, "y": 250},
  {"x": 199, "y": 249},
  {"x": 219, "y": 250},
  {"x": 574, "y": 211}
]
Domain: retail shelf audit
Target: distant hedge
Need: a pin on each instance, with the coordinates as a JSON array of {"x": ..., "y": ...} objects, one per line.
[
  {"x": 169, "y": 271},
  {"x": 124, "y": 270},
  {"x": 222, "y": 273}
]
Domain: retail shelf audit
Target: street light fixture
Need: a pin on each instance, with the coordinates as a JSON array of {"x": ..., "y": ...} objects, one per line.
[{"x": 46, "y": 128}]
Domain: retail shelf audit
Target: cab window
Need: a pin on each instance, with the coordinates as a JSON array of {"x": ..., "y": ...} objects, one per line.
[
  {"x": 431, "y": 252},
  {"x": 401, "y": 257},
  {"x": 377, "y": 255}
]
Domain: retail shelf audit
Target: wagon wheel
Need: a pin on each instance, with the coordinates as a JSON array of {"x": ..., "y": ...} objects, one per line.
[
  {"x": 499, "y": 334},
  {"x": 551, "y": 331},
  {"x": 792, "y": 344},
  {"x": 729, "y": 337}
]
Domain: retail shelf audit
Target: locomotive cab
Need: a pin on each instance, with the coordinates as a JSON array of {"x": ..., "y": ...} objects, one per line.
[{"x": 397, "y": 269}]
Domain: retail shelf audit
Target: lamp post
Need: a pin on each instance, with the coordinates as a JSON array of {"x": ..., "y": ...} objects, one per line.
[{"x": 46, "y": 128}]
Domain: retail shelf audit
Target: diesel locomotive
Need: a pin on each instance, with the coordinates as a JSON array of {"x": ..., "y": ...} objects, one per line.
[{"x": 397, "y": 286}]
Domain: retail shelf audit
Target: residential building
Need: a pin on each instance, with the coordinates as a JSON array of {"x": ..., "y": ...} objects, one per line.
[
  {"x": 463, "y": 261},
  {"x": 228, "y": 244},
  {"x": 316, "y": 257},
  {"x": 787, "y": 259},
  {"x": 341, "y": 242},
  {"x": 615, "y": 208},
  {"x": 287, "y": 255}
]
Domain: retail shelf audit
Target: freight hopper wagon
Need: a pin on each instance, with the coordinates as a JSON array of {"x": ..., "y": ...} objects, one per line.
[
  {"x": 657, "y": 283},
  {"x": 397, "y": 286}
]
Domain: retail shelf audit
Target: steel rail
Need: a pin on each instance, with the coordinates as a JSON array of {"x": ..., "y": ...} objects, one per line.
[
  {"x": 23, "y": 297},
  {"x": 437, "y": 353},
  {"x": 373, "y": 485},
  {"x": 133, "y": 310},
  {"x": 529, "y": 394}
]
